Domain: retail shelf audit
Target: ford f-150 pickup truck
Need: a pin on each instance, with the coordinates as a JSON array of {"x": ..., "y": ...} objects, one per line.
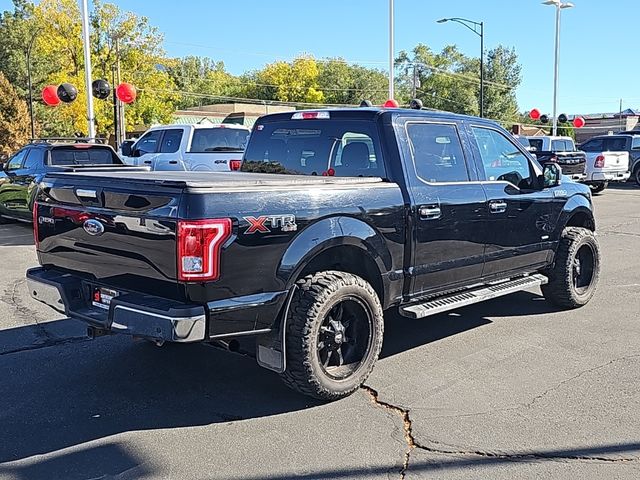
[{"x": 354, "y": 212}]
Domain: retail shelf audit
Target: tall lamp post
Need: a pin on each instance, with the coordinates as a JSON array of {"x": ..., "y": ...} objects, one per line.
[
  {"x": 478, "y": 29},
  {"x": 29, "y": 48},
  {"x": 559, "y": 6},
  {"x": 391, "y": 22}
]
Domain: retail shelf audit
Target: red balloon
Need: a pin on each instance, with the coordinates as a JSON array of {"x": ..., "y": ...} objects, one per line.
[
  {"x": 50, "y": 95},
  {"x": 126, "y": 93},
  {"x": 578, "y": 122},
  {"x": 391, "y": 103},
  {"x": 534, "y": 114}
]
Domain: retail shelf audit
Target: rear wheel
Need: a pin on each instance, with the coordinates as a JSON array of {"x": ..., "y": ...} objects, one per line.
[
  {"x": 334, "y": 335},
  {"x": 574, "y": 275},
  {"x": 598, "y": 187}
]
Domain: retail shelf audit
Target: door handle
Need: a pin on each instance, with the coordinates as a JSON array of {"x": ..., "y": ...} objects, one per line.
[
  {"x": 498, "y": 206},
  {"x": 430, "y": 212}
]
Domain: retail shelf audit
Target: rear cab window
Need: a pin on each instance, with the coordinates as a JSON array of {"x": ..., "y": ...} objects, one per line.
[
  {"x": 344, "y": 148},
  {"x": 222, "y": 139},
  {"x": 83, "y": 155}
]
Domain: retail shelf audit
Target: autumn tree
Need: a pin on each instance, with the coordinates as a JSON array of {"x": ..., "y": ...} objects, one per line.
[
  {"x": 295, "y": 81},
  {"x": 15, "y": 126}
]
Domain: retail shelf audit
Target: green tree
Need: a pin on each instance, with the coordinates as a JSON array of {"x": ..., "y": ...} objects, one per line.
[
  {"x": 342, "y": 83},
  {"x": 15, "y": 126},
  {"x": 449, "y": 80},
  {"x": 200, "y": 79}
]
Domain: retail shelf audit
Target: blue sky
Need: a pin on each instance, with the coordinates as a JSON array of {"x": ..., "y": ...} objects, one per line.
[{"x": 599, "y": 63}]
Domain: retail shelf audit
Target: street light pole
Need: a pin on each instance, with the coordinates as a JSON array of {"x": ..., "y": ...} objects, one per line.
[
  {"x": 87, "y": 68},
  {"x": 391, "y": 25},
  {"x": 478, "y": 29},
  {"x": 29, "y": 48},
  {"x": 559, "y": 6}
]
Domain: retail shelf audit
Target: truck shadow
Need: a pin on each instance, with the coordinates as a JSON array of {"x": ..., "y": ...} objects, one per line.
[
  {"x": 76, "y": 390},
  {"x": 16, "y": 234}
]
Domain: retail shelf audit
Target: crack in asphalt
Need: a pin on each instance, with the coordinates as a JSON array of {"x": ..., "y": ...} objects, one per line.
[
  {"x": 578, "y": 375},
  {"x": 10, "y": 297},
  {"x": 447, "y": 449},
  {"x": 46, "y": 344}
]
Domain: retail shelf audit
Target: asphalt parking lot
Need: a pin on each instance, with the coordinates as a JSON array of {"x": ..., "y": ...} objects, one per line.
[{"x": 507, "y": 389}]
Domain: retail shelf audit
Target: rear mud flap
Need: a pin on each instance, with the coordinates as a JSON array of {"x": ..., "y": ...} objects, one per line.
[{"x": 270, "y": 348}]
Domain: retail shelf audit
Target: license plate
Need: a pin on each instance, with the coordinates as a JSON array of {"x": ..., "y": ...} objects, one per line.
[{"x": 102, "y": 297}]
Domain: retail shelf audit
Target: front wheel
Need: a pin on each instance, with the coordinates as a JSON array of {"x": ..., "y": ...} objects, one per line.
[
  {"x": 598, "y": 187},
  {"x": 333, "y": 335},
  {"x": 574, "y": 275}
]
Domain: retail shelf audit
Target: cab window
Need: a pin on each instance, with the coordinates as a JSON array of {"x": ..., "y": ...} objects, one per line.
[
  {"x": 171, "y": 140},
  {"x": 437, "y": 152},
  {"x": 501, "y": 158},
  {"x": 149, "y": 142}
]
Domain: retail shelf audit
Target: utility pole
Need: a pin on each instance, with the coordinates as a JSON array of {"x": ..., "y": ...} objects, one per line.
[
  {"x": 116, "y": 116},
  {"x": 29, "y": 48},
  {"x": 122, "y": 131},
  {"x": 87, "y": 69},
  {"x": 415, "y": 82},
  {"x": 621, "y": 128}
]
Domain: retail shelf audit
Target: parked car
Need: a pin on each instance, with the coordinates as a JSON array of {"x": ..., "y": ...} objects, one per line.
[
  {"x": 607, "y": 160},
  {"x": 372, "y": 210},
  {"x": 189, "y": 147},
  {"x": 561, "y": 150},
  {"x": 25, "y": 169},
  {"x": 626, "y": 142}
]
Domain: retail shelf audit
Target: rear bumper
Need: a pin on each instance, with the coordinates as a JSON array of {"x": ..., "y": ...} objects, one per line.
[
  {"x": 609, "y": 176},
  {"x": 131, "y": 314}
]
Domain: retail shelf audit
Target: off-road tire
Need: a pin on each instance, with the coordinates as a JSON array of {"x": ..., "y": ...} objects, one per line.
[
  {"x": 314, "y": 298},
  {"x": 561, "y": 289},
  {"x": 598, "y": 187}
]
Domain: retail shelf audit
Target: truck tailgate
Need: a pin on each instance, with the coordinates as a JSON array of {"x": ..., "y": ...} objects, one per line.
[
  {"x": 616, "y": 161},
  {"x": 109, "y": 232}
]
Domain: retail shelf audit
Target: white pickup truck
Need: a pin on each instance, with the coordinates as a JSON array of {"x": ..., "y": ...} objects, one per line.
[
  {"x": 189, "y": 147},
  {"x": 607, "y": 161}
]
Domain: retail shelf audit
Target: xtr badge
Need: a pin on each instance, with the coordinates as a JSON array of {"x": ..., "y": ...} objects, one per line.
[{"x": 269, "y": 223}]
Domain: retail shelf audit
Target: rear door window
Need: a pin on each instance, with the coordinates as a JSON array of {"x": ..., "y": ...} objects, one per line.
[
  {"x": 67, "y": 156},
  {"x": 171, "y": 140},
  {"x": 222, "y": 139},
  {"x": 346, "y": 148},
  {"x": 437, "y": 152},
  {"x": 593, "y": 145}
]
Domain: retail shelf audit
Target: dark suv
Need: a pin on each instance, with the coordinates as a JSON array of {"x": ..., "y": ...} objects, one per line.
[{"x": 22, "y": 172}]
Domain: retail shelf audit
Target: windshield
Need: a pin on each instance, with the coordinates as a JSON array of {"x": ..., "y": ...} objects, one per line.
[
  {"x": 315, "y": 147},
  {"x": 221, "y": 139},
  {"x": 92, "y": 155}
]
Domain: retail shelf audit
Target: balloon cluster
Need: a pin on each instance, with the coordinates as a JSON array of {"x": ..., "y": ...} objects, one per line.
[
  {"x": 578, "y": 122},
  {"x": 67, "y": 93}
]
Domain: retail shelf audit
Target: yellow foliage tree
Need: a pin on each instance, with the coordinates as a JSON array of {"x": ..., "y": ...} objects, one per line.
[{"x": 296, "y": 81}]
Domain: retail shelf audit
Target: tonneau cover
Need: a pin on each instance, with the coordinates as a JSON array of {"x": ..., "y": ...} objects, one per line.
[{"x": 221, "y": 179}]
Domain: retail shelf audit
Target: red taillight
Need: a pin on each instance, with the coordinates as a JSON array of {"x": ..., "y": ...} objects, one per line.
[
  {"x": 599, "y": 163},
  {"x": 199, "y": 245},
  {"x": 235, "y": 165},
  {"x": 34, "y": 213}
]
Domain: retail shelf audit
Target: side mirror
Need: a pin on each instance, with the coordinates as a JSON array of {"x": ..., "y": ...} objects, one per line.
[
  {"x": 126, "y": 149},
  {"x": 551, "y": 175}
]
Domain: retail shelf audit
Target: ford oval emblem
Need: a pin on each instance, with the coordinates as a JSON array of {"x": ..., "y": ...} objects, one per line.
[{"x": 93, "y": 227}]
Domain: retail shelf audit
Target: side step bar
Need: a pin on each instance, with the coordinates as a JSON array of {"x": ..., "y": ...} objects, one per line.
[{"x": 480, "y": 294}]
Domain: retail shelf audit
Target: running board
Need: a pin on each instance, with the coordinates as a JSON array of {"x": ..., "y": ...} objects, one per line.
[{"x": 469, "y": 297}]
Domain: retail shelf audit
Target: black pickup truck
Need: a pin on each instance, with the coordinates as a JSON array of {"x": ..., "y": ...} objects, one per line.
[
  {"x": 563, "y": 151},
  {"x": 22, "y": 172},
  {"x": 366, "y": 210}
]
